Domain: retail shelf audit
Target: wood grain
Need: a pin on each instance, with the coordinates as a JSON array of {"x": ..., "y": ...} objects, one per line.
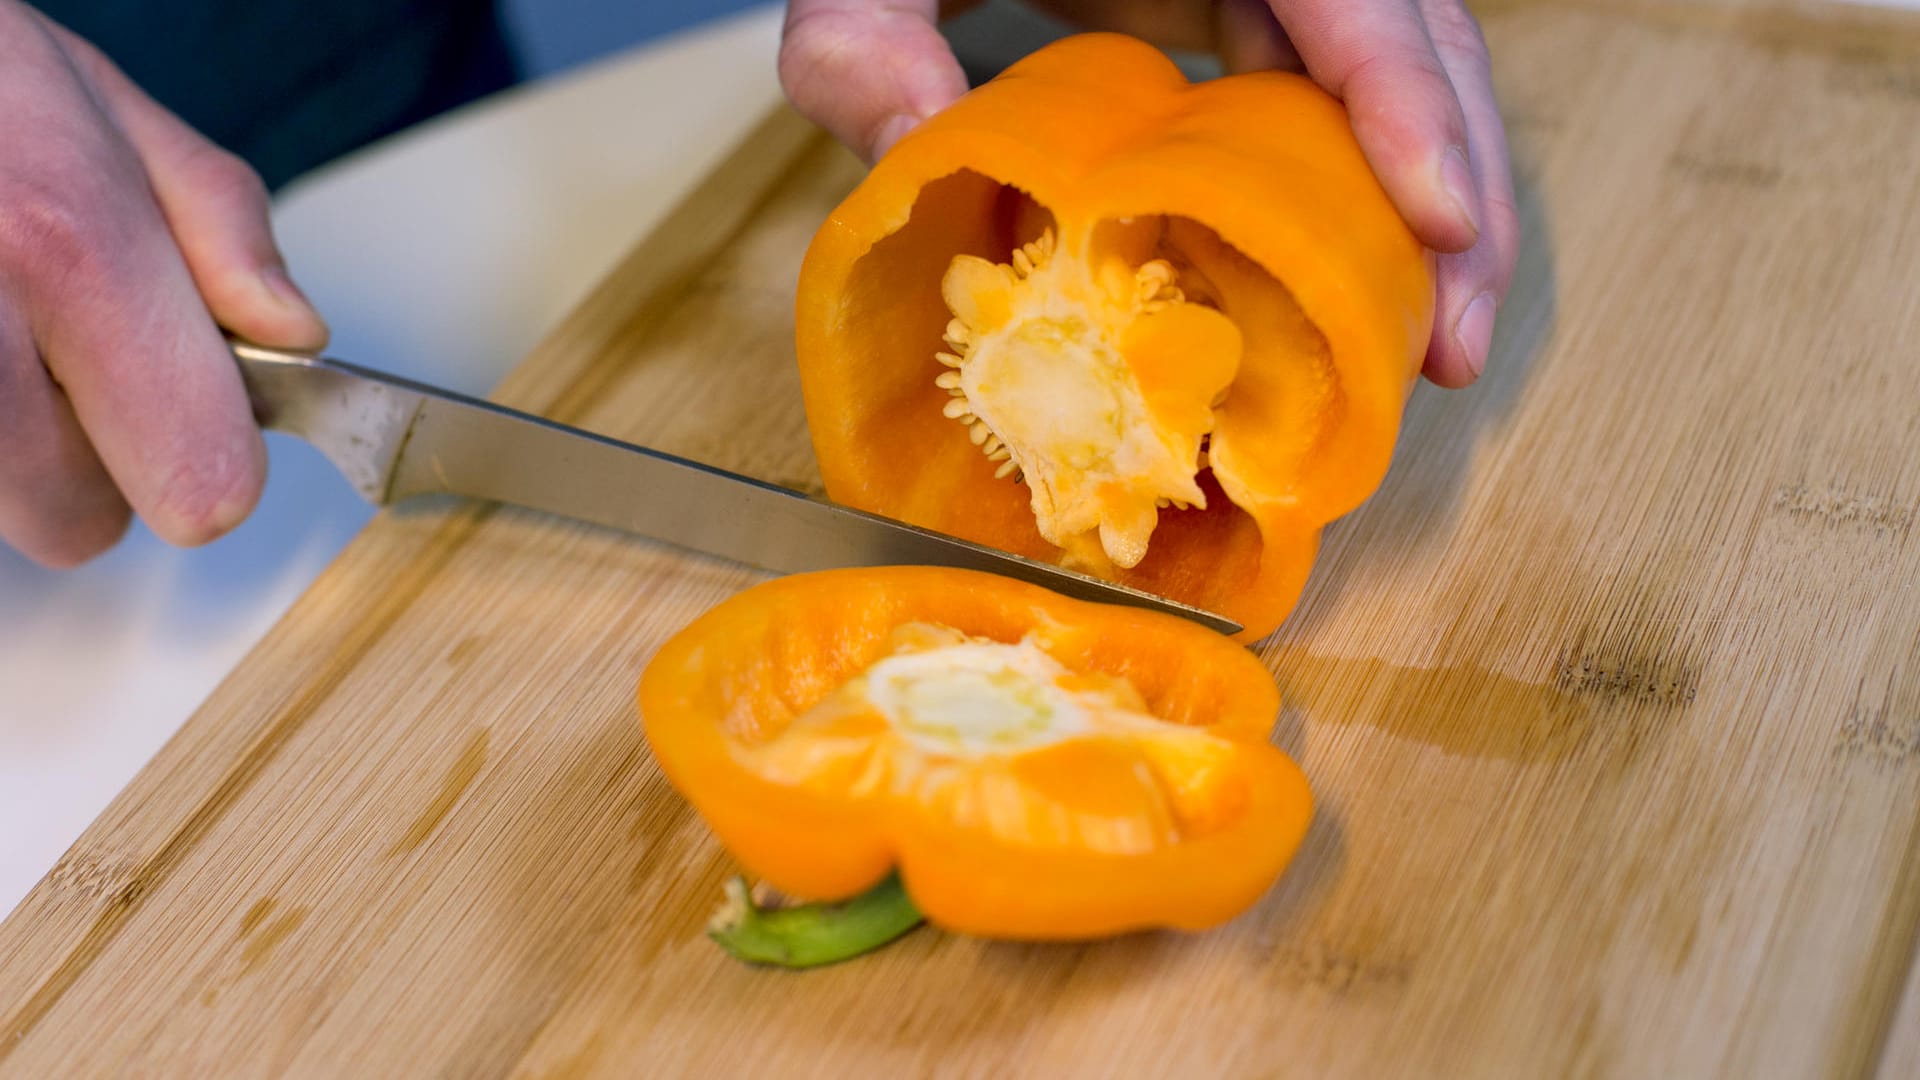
[{"x": 1611, "y": 695}]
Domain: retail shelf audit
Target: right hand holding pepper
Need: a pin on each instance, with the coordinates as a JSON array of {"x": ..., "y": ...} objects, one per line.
[{"x": 1414, "y": 75}]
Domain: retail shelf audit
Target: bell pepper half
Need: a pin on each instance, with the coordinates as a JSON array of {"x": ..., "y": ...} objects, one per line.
[
  {"x": 1093, "y": 314},
  {"x": 1030, "y": 766}
]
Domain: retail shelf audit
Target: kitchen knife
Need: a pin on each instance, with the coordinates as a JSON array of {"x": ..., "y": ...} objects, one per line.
[{"x": 394, "y": 439}]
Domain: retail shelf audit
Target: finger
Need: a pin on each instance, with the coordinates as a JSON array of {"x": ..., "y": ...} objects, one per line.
[
  {"x": 1474, "y": 283},
  {"x": 110, "y": 305},
  {"x": 1375, "y": 56},
  {"x": 58, "y": 506},
  {"x": 148, "y": 375},
  {"x": 867, "y": 70},
  {"x": 1247, "y": 38},
  {"x": 215, "y": 206}
]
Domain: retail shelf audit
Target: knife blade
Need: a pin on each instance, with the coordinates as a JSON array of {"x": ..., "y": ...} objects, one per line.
[{"x": 394, "y": 439}]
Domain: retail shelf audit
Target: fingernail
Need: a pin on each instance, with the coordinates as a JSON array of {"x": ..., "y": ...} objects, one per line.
[
  {"x": 1474, "y": 332},
  {"x": 892, "y": 132},
  {"x": 288, "y": 295},
  {"x": 1457, "y": 178}
]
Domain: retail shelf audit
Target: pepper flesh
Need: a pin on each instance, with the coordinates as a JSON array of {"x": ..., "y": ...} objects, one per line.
[
  {"x": 969, "y": 728},
  {"x": 990, "y": 270},
  {"x": 1032, "y": 766}
]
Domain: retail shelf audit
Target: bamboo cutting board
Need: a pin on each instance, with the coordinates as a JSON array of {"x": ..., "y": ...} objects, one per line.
[{"x": 1611, "y": 696}]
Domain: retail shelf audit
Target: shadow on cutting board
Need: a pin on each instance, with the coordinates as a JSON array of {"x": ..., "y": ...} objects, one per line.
[
  {"x": 1423, "y": 489},
  {"x": 1418, "y": 504}
]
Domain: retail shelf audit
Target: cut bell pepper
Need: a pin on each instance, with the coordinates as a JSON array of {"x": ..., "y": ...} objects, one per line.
[
  {"x": 1092, "y": 314},
  {"x": 1032, "y": 766}
]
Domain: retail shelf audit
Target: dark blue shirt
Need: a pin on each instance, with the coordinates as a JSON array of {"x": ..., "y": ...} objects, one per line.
[{"x": 288, "y": 84}]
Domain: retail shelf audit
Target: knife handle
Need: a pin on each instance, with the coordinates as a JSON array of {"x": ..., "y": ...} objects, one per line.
[{"x": 358, "y": 422}]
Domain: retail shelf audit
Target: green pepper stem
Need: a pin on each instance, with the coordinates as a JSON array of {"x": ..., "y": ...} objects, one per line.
[{"x": 812, "y": 935}]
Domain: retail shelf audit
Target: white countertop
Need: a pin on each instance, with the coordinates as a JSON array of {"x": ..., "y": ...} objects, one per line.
[{"x": 444, "y": 254}]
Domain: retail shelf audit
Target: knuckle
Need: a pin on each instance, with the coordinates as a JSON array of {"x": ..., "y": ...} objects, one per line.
[
  {"x": 1454, "y": 30},
  {"x": 58, "y": 506},
  {"x": 47, "y": 229},
  {"x": 1503, "y": 217},
  {"x": 1408, "y": 92},
  {"x": 1503, "y": 240},
  {"x": 223, "y": 176},
  {"x": 819, "y": 58},
  {"x": 810, "y": 47},
  {"x": 81, "y": 538},
  {"x": 19, "y": 369},
  {"x": 72, "y": 200},
  {"x": 851, "y": 68},
  {"x": 1398, "y": 72},
  {"x": 204, "y": 496},
  {"x": 92, "y": 62}
]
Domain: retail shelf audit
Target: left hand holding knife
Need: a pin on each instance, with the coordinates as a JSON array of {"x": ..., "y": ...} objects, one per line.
[{"x": 126, "y": 241}]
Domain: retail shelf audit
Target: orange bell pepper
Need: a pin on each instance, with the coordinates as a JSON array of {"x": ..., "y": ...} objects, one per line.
[
  {"x": 1032, "y": 766},
  {"x": 1158, "y": 332}
]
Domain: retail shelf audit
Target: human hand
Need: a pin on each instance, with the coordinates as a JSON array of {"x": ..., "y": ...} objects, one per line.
[
  {"x": 126, "y": 242},
  {"x": 1414, "y": 75}
]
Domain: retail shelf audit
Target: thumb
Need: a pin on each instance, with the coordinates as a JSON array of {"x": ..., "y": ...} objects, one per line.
[
  {"x": 867, "y": 70},
  {"x": 216, "y": 208}
]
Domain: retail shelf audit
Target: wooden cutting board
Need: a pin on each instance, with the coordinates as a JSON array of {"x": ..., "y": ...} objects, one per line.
[{"x": 1611, "y": 695}]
